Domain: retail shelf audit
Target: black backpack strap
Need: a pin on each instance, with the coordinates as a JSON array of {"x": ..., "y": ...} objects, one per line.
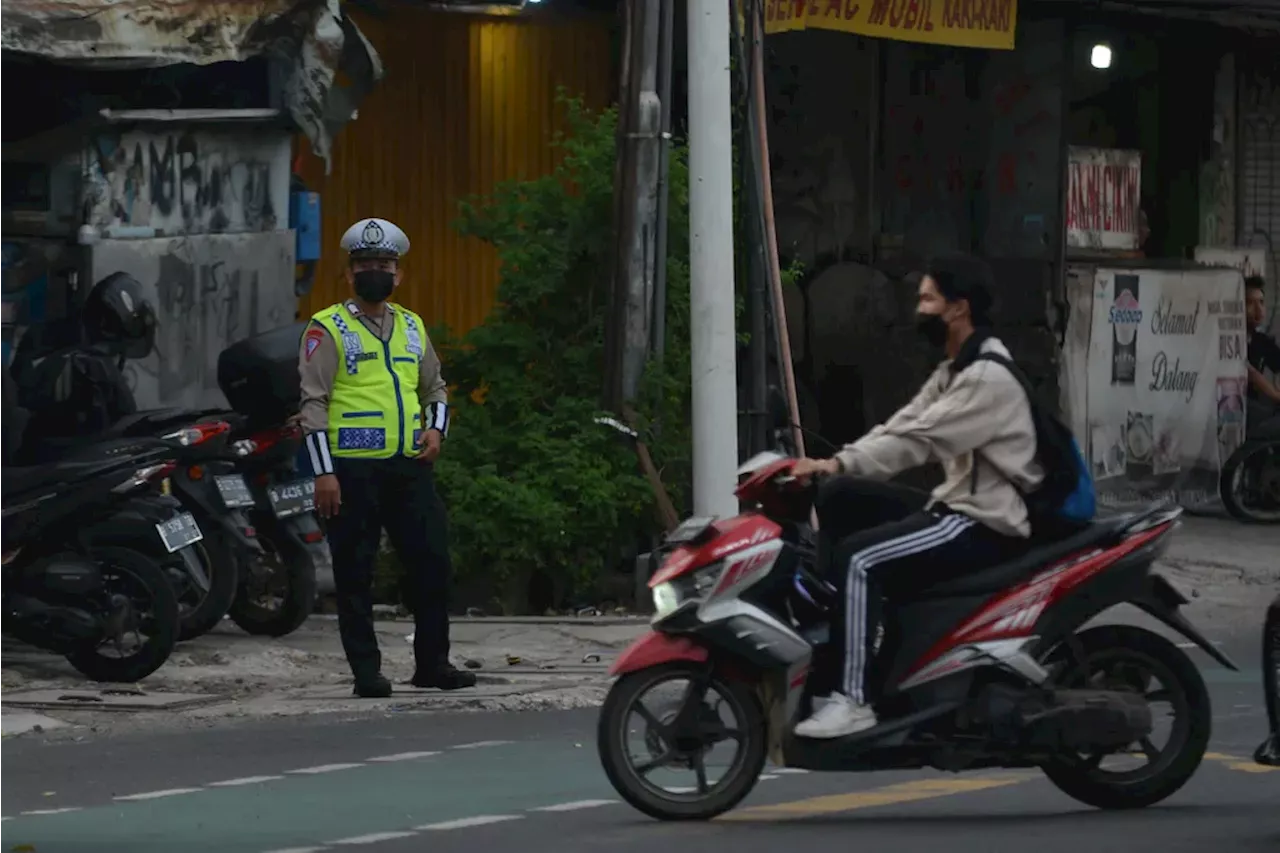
[{"x": 1018, "y": 376}]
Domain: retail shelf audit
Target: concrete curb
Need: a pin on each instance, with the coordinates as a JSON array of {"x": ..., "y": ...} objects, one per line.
[{"x": 20, "y": 723}]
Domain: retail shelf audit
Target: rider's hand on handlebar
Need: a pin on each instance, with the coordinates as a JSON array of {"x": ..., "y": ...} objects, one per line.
[{"x": 804, "y": 469}]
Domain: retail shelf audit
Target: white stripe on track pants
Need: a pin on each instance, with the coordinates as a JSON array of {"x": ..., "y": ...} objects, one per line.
[{"x": 947, "y": 529}]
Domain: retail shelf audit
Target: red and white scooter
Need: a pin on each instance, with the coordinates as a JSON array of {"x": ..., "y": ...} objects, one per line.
[{"x": 994, "y": 669}]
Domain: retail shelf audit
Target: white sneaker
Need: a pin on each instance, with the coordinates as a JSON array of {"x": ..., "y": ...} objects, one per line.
[{"x": 839, "y": 716}]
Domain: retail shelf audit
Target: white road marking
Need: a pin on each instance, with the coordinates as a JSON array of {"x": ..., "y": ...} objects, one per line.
[
  {"x": 155, "y": 795},
  {"x": 374, "y": 838},
  {"x": 323, "y": 768},
  {"x": 403, "y": 756},
  {"x": 467, "y": 822},
  {"x": 34, "y": 812},
  {"x": 790, "y": 771},
  {"x": 299, "y": 850},
  {"x": 480, "y": 743},
  {"x": 574, "y": 806},
  {"x": 244, "y": 780},
  {"x": 765, "y": 777}
]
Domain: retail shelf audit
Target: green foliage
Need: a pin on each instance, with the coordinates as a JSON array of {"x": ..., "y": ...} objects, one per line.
[{"x": 532, "y": 482}]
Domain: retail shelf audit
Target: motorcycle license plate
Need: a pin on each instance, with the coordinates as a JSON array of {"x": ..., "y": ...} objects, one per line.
[
  {"x": 234, "y": 491},
  {"x": 179, "y": 532},
  {"x": 689, "y": 530},
  {"x": 292, "y": 499}
]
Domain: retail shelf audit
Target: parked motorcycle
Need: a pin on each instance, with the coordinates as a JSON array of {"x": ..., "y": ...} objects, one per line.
[
  {"x": 1250, "y": 480},
  {"x": 67, "y": 594},
  {"x": 993, "y": 669},
  {"x": 259, "y": 377},
  {"x": 206, "y": 482},
  {"x": 1268, "y": 752},
  {"x": 278, "y": 589}
]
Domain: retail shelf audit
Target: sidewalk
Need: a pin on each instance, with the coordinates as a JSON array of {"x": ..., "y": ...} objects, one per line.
[{"x": 1230, "y": 571}]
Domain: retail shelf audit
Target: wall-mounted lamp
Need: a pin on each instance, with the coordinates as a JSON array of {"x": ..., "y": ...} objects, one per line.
[{"x": 1100, "y": 56}]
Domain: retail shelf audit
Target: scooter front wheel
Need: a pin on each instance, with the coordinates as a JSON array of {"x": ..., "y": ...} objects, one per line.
[{"x": 679, "y": 735}]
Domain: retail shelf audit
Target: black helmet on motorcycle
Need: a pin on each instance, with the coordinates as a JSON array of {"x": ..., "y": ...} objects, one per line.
[{"x": 118, "y": 314}]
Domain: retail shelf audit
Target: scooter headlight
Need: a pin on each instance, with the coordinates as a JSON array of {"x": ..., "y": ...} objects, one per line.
[{"x": 667, "y": 597}]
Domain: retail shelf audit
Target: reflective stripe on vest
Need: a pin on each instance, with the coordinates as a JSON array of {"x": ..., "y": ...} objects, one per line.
[{"x": 374, "y": 411}]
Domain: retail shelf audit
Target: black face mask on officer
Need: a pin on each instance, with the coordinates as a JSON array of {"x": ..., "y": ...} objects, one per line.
[{"x": 374, "y": 286}]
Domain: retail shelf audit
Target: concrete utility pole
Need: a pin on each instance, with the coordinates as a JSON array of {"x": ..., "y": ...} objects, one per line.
[{"x": 711, "y": 286}]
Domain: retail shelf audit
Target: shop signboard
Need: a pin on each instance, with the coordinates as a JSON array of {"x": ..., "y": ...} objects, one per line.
[
  {"x": 987, "y": 24},
  {"x": 1165, "y": 391},
  {"x": 1104, "y": 190},
  {"x": 1250, "y": 260}
]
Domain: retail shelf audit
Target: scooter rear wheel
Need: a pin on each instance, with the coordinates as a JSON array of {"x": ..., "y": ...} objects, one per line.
[
  {"x": 1144, "y": 654},
  {"x": 630, "y": 783}
]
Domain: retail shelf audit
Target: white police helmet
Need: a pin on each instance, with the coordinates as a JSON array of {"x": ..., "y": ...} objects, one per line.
[{"x": 375, "y": 238}]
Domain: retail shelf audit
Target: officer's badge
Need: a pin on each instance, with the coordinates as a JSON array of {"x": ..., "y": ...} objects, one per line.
[
  {"x": 313, "y": 338},
  {"x": 373, "y": 234}
]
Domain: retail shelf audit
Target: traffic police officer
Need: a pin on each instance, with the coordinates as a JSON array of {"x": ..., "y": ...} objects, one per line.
[{"x": 375, "y": 412}]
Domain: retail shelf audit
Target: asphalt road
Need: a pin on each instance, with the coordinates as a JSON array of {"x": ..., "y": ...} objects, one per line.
[{"x": 404, "y": 783}]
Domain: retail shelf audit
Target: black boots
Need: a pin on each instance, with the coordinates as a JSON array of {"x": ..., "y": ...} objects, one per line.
[
  {"x": 373, "y": 687},
  {"x": 444, "y": 677}
]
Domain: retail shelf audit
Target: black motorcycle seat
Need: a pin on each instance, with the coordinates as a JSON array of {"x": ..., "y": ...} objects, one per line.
[
  {"x": 83, "y": 462},
  {"x": 31, "y": 477},
  {"x": 1009, "y": 573},
  {"x": 149, "y": 421}
]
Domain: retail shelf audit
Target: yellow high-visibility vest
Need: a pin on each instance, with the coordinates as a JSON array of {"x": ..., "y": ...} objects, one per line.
[{"x": 374, "y": 411}]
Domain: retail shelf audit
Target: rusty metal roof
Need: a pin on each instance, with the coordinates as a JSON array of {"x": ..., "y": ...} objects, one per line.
[
  {"x": 142, "y": 32},
  {"x": 314, "y": 39}
]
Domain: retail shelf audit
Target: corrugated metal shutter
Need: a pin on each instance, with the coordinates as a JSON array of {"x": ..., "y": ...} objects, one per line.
[{"x": 468, "y": 101}]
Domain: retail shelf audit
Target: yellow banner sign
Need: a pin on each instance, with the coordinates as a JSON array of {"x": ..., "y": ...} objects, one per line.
[{"x": 961, "y": 23}]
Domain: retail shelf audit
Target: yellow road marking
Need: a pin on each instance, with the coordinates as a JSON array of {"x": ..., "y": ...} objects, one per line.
[
  {"x": 906, "y": 792},
  {"x": 1235, "y": 762}
]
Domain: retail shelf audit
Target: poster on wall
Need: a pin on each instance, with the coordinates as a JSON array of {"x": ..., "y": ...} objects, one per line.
[
  {"x": 1104, "y": 191},
  {"x": 1166, "y": 383}
]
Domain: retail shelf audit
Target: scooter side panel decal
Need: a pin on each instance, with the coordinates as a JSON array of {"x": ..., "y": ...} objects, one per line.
[
  {"x": 733, "y": 534},
  {"x": 747, "y": 567},
  {"x": 1014, "y": 615}
]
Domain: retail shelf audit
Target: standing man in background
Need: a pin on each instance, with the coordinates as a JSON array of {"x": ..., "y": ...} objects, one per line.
[
  {"x": 375, "y": 413},
  {"x": 1263, "y": 397}
]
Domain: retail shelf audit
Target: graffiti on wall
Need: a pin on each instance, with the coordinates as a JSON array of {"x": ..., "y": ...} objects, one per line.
[
  {"x": 188, "y": 181},
  {"x": 209, "y": 292}
]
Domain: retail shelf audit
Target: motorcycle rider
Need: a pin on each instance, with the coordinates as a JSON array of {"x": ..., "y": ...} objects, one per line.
[
  {"x": 972, "y": 416},
  {"x": 1263, "y": 395}
]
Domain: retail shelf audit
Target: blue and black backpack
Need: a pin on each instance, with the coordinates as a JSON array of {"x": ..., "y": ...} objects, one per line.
[{"x": 1065, "y": 499}]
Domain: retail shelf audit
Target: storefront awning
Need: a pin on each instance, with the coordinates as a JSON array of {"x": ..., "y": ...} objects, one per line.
[{"x": 313, "y": 39}]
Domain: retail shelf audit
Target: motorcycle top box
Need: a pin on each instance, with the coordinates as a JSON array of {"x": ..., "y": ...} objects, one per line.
[
  {"x": 259, "y": 375},
  {"x": 990, "y": 669}
]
